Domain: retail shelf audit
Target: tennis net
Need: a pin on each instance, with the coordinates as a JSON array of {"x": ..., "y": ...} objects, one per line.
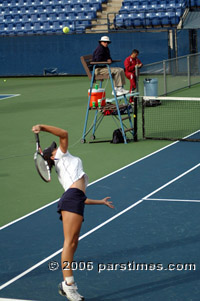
[{"x": 171, "y": 118}]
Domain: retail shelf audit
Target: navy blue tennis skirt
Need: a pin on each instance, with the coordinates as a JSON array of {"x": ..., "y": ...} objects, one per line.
[{"x": 72, "y": 200}]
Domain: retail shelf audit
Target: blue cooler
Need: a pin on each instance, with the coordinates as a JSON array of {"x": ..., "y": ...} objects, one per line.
[{"x": 150, "y": 87}]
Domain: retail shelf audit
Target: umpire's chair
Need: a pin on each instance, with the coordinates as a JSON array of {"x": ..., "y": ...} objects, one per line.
[{"x": 89, "y": 67}]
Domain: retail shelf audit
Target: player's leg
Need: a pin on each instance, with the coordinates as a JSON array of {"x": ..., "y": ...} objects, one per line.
[{"x": 71, "y": 227}]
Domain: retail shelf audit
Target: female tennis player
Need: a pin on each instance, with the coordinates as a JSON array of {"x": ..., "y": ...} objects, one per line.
[{"x": 71, "y": 205}]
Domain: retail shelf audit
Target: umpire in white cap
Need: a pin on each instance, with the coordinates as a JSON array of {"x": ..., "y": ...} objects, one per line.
[{"x": 102, "y": 54}]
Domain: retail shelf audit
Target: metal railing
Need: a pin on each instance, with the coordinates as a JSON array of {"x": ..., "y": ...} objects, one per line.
[{"x": 174, "y": 74}]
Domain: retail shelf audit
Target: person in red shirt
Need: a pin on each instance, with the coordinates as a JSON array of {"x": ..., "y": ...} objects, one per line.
[{"x": 130, "y": 63}]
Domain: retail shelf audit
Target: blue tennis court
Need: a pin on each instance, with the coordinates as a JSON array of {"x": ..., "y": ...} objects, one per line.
[{"x": 147, "y": 248}]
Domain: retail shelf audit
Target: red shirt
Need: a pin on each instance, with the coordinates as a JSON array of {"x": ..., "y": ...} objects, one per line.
[{"x": 130, "y": 63}]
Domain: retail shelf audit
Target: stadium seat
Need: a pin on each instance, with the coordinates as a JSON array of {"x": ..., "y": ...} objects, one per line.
[
  {"x": 59, "y": 8},
  {"x": 46, "y": 27},
  {"x": 37, "y": 28},
  {"x": 161, "y": 5},
  {"x": 165, "y": 20},
  {"x": 43, "y": 17},
  {"x": 97, "y": 5},
  {"x": 14, "y": 10},
  {"x": 138, "y": 20},
  {"x": 25, "y": 18},
  {"x": 23, "y": 10},
  {"x": 49, "y": 9},
  {"x": 119, "y": 20},
  {"x": 77, "y": 7},
  {"x": 195, "y": 3},
  {"x": 79, "y": 26},
  {"x": 20, "y": 3},
  {"x": 174, "y": 18},
  {"x": 60, "y": 16},
  {"x": 156, "y": 19},
  {"x": 148, "y": 18},
  {"x": 124, "y": 9},
  {"x": 37, "y": 2},
  {"x": 144, "y": 6},
  {"x": 2, "y": 28},
  {"x": 8, "y": 18},
  {"x": 152, "y": 7},
  {"x": 46, "y": 2},
  {"x": 28, "y": 28},
  {"x": 19, "y": 29},
  {"x": 56, "y": 26},
  {"x": 92, "y": 14},
  {"x": 135, "y": 5},
  {"x": 28, "y": 3},
  {"x": 17, "y": 18},
  {"x": 69, "y": 7},
  {"x": 72, "y": 16},
  {"x": 128, "y": 19},
  {"x": 171, "y": 5},
  {"x": 34, "y": 17},
  {"x": 52, "y": 17},
  {"x": 8, "y": 29}
]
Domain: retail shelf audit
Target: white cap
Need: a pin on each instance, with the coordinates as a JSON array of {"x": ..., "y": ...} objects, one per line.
[{"x": 105, "y": 39}]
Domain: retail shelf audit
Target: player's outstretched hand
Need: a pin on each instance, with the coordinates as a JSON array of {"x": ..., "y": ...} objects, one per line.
[{"x": 108, "y": 203}]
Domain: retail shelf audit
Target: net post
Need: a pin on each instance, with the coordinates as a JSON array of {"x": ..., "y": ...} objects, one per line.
[
  {"x": 164, "y": 78},
  {"x": 143, "y": 119},
  {"x": 135, "y": 118},
  {"x": 137, "y": 78},
  {"x": 136, "y": 105},
  {"x": 188, "y": 70}
]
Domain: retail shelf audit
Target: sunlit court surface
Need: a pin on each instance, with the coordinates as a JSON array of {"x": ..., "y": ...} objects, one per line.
[{"x": 146, "y": 249}]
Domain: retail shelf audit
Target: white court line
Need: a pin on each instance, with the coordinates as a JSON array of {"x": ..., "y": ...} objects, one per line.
[
  {"x": 92, "y": 183},
  {"x": 97, "y": 227},
  {"x": 6, "y": 299},
  {"x": 172, "y": 200},
  {"x": 11, "y": 96},
  {"x": 170, "y": 98},
  {"x": 170, "y": 182}
]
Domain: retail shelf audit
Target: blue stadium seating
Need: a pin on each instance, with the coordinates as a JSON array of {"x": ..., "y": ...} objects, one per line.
[
  {"x": 148, "y": 18},
  {"x": 195, "y": 3},
  {"x": 156, "y": 13},
  {"x": 165, "y": 20},
  {"x": 119, "y": 20},
  {"x": 173, "y": 18},
  {"x": 46, "y": 16},
  {"x": 128, "y": 19},
  {"x": 138, "y": 20}
]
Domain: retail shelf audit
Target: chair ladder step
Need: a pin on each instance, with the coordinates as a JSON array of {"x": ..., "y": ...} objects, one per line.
[
  {"x": 127, "y": 117},
  {"x": 128, "y": 130}
]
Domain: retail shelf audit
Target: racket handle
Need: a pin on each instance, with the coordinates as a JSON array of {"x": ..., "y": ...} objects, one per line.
[{"x": 37, "y": 138}]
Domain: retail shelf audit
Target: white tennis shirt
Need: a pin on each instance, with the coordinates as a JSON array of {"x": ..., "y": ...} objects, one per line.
[{"x": 69, "y": 169}]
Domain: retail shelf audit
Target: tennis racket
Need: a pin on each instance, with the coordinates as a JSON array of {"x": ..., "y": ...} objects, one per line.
[{"x": 40, "y": 163}]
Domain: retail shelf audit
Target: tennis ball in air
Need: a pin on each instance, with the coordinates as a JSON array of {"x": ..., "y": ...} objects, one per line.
[
  {"x": 65, "y": 29},
  {"x": 4, "y": 80}
]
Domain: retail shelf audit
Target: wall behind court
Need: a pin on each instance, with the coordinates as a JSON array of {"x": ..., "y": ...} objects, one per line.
[{"x": 30, "y": 55}]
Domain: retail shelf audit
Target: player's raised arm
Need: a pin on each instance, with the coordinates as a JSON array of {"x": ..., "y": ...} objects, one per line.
[{"x": 62, "y": 134}]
